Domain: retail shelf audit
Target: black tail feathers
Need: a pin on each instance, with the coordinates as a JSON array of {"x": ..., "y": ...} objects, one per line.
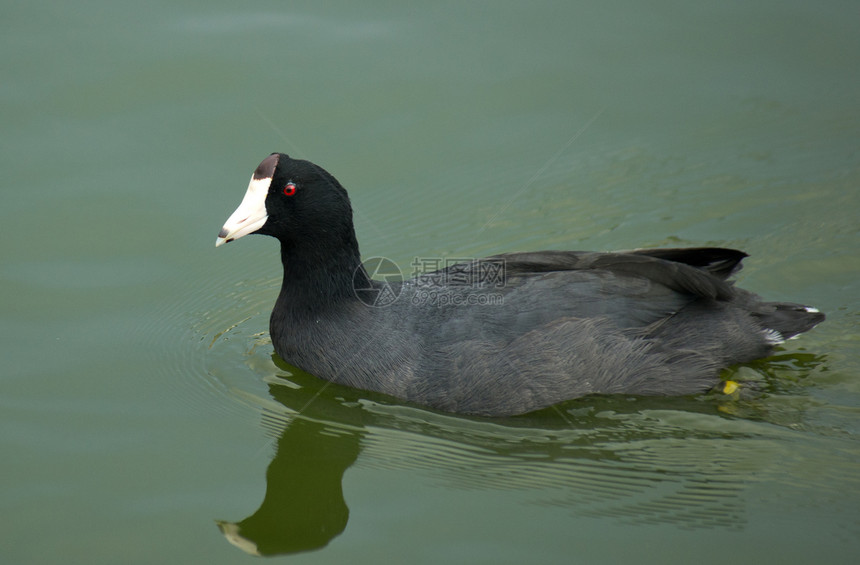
[
  {"x": 719, "y": 261},
  {"x": 784, "y": 320}
]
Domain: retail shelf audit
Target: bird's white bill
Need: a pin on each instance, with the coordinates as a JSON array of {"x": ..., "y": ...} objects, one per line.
[{"x": 250, "y": 215}]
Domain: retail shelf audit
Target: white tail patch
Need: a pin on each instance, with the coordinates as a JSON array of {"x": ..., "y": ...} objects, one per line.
[
  {"x": 772, "y": 337},
  {"x": 810, "y": 309}
]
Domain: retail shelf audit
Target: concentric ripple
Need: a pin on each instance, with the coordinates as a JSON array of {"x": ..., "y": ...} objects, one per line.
[{"x": 211, "y": 340}]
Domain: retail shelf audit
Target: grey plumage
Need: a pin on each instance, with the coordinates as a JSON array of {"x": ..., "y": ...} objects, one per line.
[{"x": 557, "y": 325}]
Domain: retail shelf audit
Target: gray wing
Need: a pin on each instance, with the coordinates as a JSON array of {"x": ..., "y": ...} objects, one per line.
[{"x": 630, "y": 290}]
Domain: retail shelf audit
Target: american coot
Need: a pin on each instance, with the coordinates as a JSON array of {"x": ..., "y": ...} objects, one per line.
[{"x": 514, "y": 332}]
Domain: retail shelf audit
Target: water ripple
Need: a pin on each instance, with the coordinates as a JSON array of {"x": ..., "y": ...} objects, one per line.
[{"x": 687, "y": 461}]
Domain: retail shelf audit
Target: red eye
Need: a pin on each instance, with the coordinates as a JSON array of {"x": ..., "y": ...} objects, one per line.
[{"x": 290, "y": 189}]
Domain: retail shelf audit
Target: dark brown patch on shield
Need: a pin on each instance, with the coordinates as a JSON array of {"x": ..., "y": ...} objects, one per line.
[{"x": 266, "y": 169}]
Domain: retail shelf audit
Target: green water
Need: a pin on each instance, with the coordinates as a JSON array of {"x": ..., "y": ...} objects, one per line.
[{"x": 141, "y": 413}]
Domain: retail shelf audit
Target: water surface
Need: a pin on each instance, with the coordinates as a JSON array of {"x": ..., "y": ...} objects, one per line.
[{"x": 144, "y": 418}]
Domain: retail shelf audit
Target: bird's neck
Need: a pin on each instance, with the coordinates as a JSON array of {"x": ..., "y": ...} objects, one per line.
[{"x": 318, "y": 277}]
